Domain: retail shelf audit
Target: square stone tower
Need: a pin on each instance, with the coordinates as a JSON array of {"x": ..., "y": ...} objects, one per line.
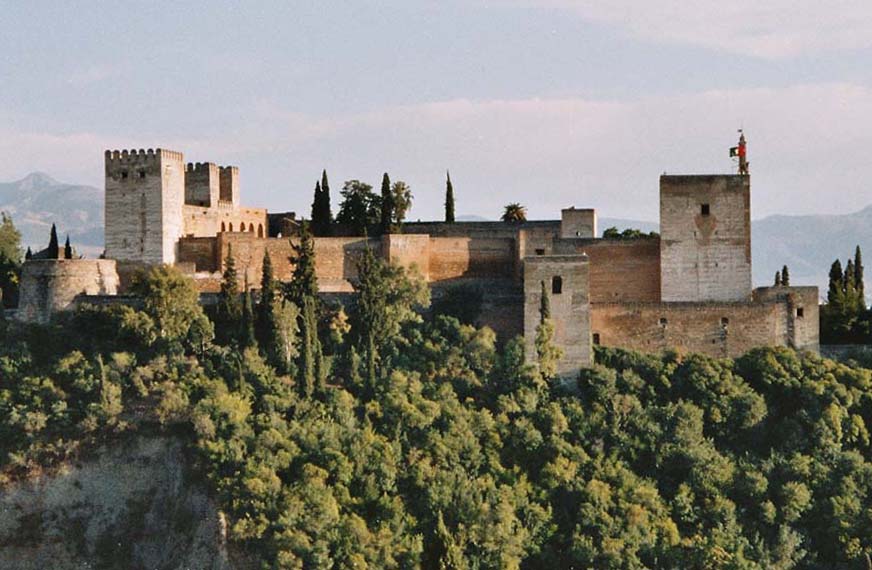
[
  {"x": 705, "y": 238},
  {"x": 567, "y": 282},
  {"x": 145, "y": 192},
  {"x": 202, "y": 184}
]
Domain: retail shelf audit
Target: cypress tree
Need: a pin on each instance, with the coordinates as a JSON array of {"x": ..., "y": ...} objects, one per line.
[
  {"x": 229, "y": 310},
  {"x": 544, "y": 305},
  {"x": 68, "y": 249},
  {"x": 835, "y": 290},
  {"x": 325, "y": 196},
  {"x": 449, "y": 199},
  {"x": 246, "y": 336},
  {"x": 28, "y": 255},
  {"x": 265, "y": 321},
  {"x": 777, "y": 278},
  {"x": 53, "y": 249},
  {"x": 387, "y": 205},
  {"x": 785, "y": 276},
  {"x": 858, "y": 275},
  {"x": 308, "y": 336},
  {"x": 316, "y": 208},
  {"x": 548, "y": 354},
  {"x": 304, "y": 281}
]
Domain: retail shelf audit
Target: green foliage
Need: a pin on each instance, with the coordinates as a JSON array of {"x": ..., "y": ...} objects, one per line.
[
  {"x": 514, "y": 213},
  {"x": 53, "y": 251},
  {"x": 785, "y": 276},
  {"x": 386, "y": 221},
  {"x": 449, "y": 199},
  {"x": 629, "y": 233},
  {"x": 10, "y": 262},
  {"x": 463, "y": 302},
  {"x": 360, "y": 208},
  {"x": 845, "y": 317},
  {"x": 322, "y": 216},
  {"x": 228, "y": 311},
  {"x": 172, "y": 302},
  {"x": 459, "y": 454}
]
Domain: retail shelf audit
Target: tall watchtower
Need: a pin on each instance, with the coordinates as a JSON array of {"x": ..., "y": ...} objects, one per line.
[
  {"x": 145, "y": 192},
  {"x": 705, "y": 238}
]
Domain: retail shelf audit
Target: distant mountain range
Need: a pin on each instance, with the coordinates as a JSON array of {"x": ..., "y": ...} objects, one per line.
[
  {"x": 807, "y": 244},
  {"x": 37, "y": 201}
]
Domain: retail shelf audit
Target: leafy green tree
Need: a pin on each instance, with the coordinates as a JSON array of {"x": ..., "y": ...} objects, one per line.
[
  {"x": 10, "y": 262},
  {"x": 360, "y": 208},
  {"x": 304, "y": 280},
  {"x": 463, "y": 302},
  {"x": 172, "y": 301},
  {"x": 449, "y": 199},
  {"x": 514, "y": 213},
  {"x": 387, "y": 297},
  {"x": 401, "y": 196},
  {"x": 275, "y": 321}
]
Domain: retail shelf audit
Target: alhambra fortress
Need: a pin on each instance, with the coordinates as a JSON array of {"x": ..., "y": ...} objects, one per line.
[{"x": 689, "y": 289}]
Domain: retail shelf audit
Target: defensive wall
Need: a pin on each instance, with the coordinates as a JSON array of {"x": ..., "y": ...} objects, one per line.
[
  {"x": 52, "y": 285},
  {"x": 778, "y": 316}
]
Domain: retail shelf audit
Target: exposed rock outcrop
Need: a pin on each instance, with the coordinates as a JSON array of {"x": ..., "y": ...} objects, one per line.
[{"x": 134, "y": 504}]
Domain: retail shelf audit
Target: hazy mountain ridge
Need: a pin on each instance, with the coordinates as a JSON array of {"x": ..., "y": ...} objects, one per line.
[
  {"x": 807, "y": 244},
  {"x": 37, "y": 200}
]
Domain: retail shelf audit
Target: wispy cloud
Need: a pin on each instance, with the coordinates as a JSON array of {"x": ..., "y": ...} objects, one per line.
[
  {"x": 772, "y": 29},
  {"x": 808, "y": 143}
]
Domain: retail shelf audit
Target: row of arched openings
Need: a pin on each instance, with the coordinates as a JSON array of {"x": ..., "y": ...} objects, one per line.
[{"x": 229, "y": 228}]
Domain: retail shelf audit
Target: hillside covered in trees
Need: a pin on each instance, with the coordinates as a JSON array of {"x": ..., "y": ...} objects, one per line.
[{"x": 383, "y": 436}]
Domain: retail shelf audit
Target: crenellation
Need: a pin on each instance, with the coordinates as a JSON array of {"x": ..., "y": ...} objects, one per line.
[{"x": 690, "y": 288}]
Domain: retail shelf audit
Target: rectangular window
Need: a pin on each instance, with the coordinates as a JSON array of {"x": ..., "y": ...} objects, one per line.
[
  {"x": 142, "y": 173},
  {"x": 123, "y": 175},
  {"x": 540, "y": 252},
  {"x": 800, "y": 312},
  {"x": 705, "y": 210},
  {"x": 556, "y": 285},
  {"x": 725, "y": 321},
  {"x": 596, "y": 339},
  {"x": 663, "y": 321}
]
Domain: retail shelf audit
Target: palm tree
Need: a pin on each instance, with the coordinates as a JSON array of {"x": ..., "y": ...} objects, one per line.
[{"x": 515, "y": 213}]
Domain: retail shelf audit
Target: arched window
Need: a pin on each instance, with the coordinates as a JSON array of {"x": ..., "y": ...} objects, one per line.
[
  {"x": 556, "y": 285},
  {"x": 251, "y": 228},
  {"x": 231, "y": 226},
  {"x": 223, "y": 227},
  {"x": 260, "y": 230}
]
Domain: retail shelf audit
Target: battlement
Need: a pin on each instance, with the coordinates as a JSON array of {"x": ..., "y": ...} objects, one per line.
[
  {"x": 229, "y": 184},
  {"x": 201, "y": 184},
  {"x": 201, "y": 167},
  {"x": 138, "y": 156}
]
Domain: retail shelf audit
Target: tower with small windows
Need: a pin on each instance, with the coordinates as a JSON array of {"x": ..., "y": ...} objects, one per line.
[
  {"x": 145, "y": 192},
  {"x": 705, "y": 238}
]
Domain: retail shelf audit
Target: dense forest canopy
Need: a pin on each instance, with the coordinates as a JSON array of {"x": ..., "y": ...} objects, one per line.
[{"x": 374, "y": 437}]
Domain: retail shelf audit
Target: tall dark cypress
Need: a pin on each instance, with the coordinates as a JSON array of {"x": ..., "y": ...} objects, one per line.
[
  {"x": 53, "y": 249},
  {"x": 785, "y": 276},
  {"x": 68, "y": 249},
  {"x": 387, "y": 205},
  {"x": 835, "y": 290},
  {"x": 777, "y": 278},
  {"x": 228, "y": 312},
  {"x": 858, "y": 275},
  {"x": 246, "y": 336},
  {"x": 316, "y": 208},
  {"x": 449, "y": 199},
  {"x": 28, "y": 254},
  {"x": 265, "y": 322},
  {"x": 544, "y": 305}
]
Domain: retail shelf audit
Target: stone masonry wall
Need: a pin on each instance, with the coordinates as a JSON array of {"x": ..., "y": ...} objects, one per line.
[
  {"x": 144, "y": 195},
  {"x": 51, "y": 285},
  {"x": 620, "y": 270},
  {"x": 570, "y": 307},
  {"x": 705, "y": 245},
  {"x": 715, "y": 329},
  {"x": 471, "y": 257}
]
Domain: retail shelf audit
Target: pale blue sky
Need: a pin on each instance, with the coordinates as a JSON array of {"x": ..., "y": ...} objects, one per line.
[{"x": 550, "y": 103}]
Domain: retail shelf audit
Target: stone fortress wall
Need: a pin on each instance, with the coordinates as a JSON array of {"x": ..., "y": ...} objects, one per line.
[
  {"x": 52, "y": 285},
  {"x": 689, "y": 289}
]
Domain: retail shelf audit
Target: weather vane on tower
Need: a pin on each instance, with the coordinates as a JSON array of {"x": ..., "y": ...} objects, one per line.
[{"x": 741, "y": 151}]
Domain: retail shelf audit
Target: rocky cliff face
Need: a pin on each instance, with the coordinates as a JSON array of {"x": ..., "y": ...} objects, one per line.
[{"x": 134, "y": 504}]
